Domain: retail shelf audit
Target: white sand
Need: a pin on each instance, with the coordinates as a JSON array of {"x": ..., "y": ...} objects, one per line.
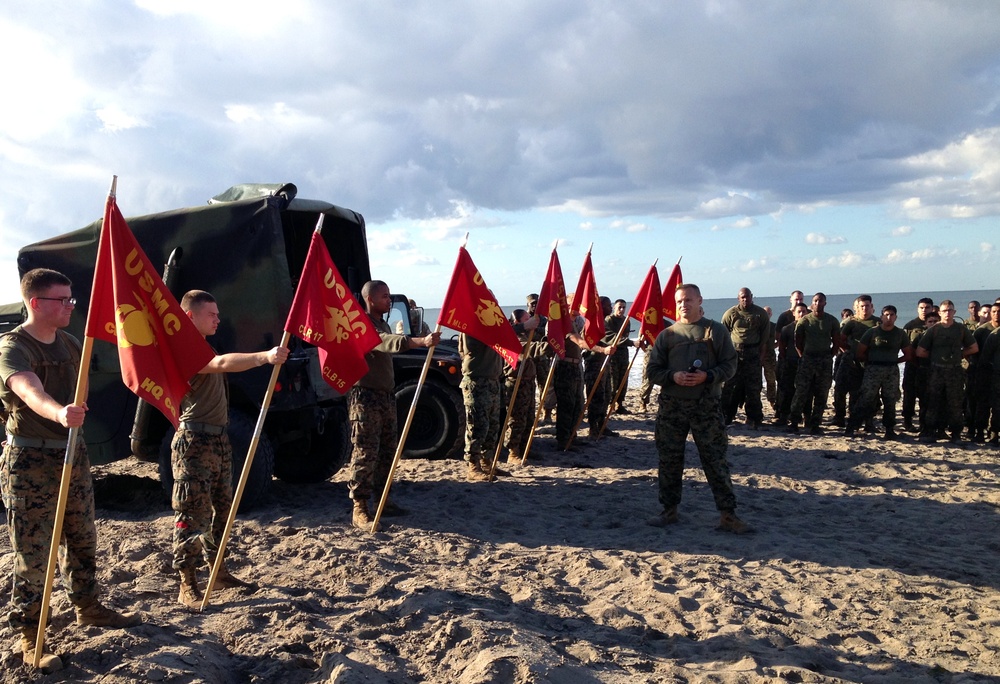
[{"x": 872, "y": 562}]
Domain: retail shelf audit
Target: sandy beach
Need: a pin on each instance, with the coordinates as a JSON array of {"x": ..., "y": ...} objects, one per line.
[{"x": 871, "y": 562}]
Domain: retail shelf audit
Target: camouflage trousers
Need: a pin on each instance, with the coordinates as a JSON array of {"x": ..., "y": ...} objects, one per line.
[
  {"x": 945, "y": 398},
  {"x": 618, "y": 368},
  {"x": 848, "y": 378},
  {"x": 542, "y": 365},
  {"x": 746, "y": 386},
  {"x": 786, "y": 388},
  {"x": 702, "y": 418},
  {"x": 812, "y": 382},
  {"x": 979, "y": 397},
  {"x": 568, "y": 383},
  {"x": 770, "y": 366},
  {"x": 29, "y": 481},
  {"x": 374, "y": 439},
  {"x": 522, "y": 417},
  {"x": 599, "y": 393},
  {"x": 202, "y": 465},
  {"x": 877, "y": 380},
  {"x": 483, "y": 414},
  {"x": 646, "y": 388}
]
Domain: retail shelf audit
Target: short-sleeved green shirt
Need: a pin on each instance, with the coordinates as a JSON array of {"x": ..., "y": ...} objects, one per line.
[
  {"x": 946, "y": 344},
  {"x": 55, "y": 364},
  {"x": 884, "y": 345}
]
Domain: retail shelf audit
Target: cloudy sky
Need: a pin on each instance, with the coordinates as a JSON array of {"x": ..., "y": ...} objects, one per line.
[{"x": 842, "y": 146}]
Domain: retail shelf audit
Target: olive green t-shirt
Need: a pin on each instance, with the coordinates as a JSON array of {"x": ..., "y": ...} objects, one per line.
[
  {"x": 207, "y": 401},
  {"x": 884, "y": 345},
  {"x": 816, "y": 333},
  {"x": 56, "y": 366},
  {"x": 946, "y": 344}
]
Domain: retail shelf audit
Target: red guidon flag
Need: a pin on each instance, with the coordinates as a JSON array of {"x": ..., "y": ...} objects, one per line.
[
  {"x": 159, "y": 348},
  {"x": 648, "y": 306},
  {"x": 469, "y": 307},
  {"x": 552, "y": 304},
  {"x": 325, "y": 313},
  {"x": 669, "y": 303},
  {"x": 588, "y": 303}
]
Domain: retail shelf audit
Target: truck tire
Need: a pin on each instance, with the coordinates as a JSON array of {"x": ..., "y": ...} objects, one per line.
[
  {"x": 241, "y": 429},
  {"x": 326, "y": 454},
  {"x": 438, "y": 429}
]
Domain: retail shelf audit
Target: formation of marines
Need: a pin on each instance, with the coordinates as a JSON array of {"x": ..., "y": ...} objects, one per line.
[{"x": 706, "y": 370}]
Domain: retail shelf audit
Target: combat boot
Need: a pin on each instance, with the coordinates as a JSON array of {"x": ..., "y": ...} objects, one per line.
[
  {"x": 49, "y": 662},
  {"x": 361, "y": 518},
  {"x": 730, "y": 523},
  {"x": 227, "y": 580},
  {"x": 669, "y": 516},
  {"x": 190, "y": 595},
  {"x": 514, "y": 459},
  {"x": 95, "y": 614},
  {"x": 476, "y": 472}
]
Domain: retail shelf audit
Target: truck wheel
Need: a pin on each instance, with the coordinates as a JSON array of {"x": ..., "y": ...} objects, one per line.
[
  {"x": 240, "y": 433},
  {"x": 438, "y": 428},
  {"x": 326, "y": 454}
]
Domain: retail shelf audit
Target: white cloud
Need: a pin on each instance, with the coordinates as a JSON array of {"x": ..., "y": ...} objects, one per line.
[
  {"x": 822, "y": 239},
  {"x": 901, "y": 231},
  {"x": 846, "y": 259},
  {"x": 115, "y": 119},
  {"x": 897, "y": 256}
]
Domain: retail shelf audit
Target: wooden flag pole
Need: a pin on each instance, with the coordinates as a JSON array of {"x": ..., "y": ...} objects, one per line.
[
  {"x": 244, "y": 475},
  {"x": 406, "y": 431},
  {"x": 67, "y": 475},
  {"x": 79, "y": 398},
  {"x": 510, "y": 407},
  {"x": 541, "y": 408}
]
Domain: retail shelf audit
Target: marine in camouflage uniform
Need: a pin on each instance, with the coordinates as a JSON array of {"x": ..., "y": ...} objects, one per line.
[
  {"x": 371, "y": 406},
  {"x": 38, "y": 374},
  {"x": 816, "y": 337},
  {"x": 851, "y": 371},
  {"x": 594, "y": 360},
  {"x": 748, "y": 326},
  {"x": 482, "y": 391},
  {"x": 979, "y": 381},
  {"x": 522, "y": 416},
  {"x": 619, "y": 360},
  {"x": 879, "y": 348},
  {"x": 690, "y": 404},
  {"x": 544, "y": 362},
  {"x": 911, "y": 371},
  {"x": 945, "y": 345},
  {"x": 201, "y": 456},
  {"x": 989, "y": 360}
]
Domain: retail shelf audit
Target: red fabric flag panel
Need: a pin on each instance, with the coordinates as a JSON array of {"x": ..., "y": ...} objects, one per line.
[
  {"x": 324, "y": 313},
  {"x": 552, "y": 304},
  {"x": 647, "y": 308},
  {"x": 470, "y": 307},
  {"x": 159, "y": 348}
]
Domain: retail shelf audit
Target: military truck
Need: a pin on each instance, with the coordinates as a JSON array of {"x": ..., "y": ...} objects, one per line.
[{"x": 247, "y": 247}]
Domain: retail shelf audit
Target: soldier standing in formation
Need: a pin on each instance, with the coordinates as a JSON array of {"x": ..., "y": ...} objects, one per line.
[
  {"x": 39, "y": 363},
  {"x": 748, "y": 326},
  {"x": 879, "y": 349},
  {"x": 945, "y": 345},
  {"x": 371, "y": 407},
  {"x": 817, "y": 335},
  {"x": 201, "y": 457}
]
